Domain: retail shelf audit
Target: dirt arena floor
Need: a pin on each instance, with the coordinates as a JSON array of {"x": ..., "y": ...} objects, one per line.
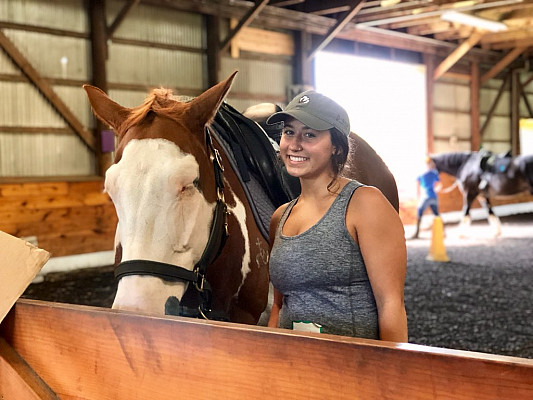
[{"x": 481, "y": 300}]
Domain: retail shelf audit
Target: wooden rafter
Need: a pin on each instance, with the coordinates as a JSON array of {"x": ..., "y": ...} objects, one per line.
[
  {"x": 354, "y": 9},
  {"x": 281, "y": 18},
  {"x": 245, "y": 21},
  {"x": 121, "y": 16},
  {"x": 284, "y": 3},
  {"x": 504, "y": 62},
  {"x": 457, "y": 54},
  {"x": 46, "y": 89}
]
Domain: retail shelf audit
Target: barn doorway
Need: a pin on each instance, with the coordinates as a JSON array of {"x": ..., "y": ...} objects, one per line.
[{"x": 386, "y": 103}]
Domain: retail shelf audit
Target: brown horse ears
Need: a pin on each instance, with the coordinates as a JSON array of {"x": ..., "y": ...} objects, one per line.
[
  {"x": 204, "y": 107},
  {"x": 108, "y": 111}
]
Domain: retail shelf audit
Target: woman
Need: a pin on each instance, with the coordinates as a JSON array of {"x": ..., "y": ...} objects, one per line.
[
  {"x": 428, "y": 184},
  {"x": 338, "y": 257}
]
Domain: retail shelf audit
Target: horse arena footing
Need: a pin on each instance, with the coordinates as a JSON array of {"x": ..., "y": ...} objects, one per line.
[{"x": 478, "y": 301}]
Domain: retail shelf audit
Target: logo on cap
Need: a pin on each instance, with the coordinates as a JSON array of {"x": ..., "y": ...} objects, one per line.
[{"x": 304, "y": 99}]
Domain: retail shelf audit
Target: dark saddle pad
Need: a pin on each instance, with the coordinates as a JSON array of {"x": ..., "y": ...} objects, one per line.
[{"x": 255, "y": 154}]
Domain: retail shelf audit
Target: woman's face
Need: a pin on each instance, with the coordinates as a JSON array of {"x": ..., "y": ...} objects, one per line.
[{"x": 305, "y": 152}]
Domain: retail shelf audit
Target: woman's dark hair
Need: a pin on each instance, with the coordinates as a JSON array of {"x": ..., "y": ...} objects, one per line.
[{"x": 340, "y": 142}]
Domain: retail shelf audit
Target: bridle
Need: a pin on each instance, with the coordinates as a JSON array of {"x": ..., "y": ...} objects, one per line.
[{"x": 201, "y": 306}]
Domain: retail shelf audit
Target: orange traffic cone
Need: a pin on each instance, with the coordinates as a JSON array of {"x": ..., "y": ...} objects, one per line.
[{"x": 437, "y": 251}]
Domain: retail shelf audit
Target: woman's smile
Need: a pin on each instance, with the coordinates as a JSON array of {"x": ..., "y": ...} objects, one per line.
[{"x": 297, "y": 159}]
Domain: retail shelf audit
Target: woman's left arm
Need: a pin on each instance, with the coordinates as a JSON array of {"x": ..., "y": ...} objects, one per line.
[{"x": 379, "y": 231}]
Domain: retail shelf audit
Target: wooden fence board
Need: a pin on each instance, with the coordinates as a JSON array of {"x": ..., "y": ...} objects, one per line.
[
  {"x": 18, "y": 380},
  {"x": 104, "y": 354}
]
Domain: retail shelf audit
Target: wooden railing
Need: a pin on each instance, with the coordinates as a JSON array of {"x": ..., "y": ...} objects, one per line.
[{"x": 90, "y": 353}]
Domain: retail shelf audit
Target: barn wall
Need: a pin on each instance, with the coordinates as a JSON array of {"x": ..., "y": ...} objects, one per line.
[
  {"x": 34, "y": 140},
  {"x": 64, "y": 217},
  {"x": 48, "y": 186}
]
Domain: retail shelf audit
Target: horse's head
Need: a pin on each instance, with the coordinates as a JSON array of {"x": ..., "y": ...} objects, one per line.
[{"x": 162, "y": 183}]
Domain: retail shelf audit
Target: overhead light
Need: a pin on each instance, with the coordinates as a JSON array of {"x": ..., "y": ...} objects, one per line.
[
  {"x": 481, "y": 23},
  {"x": 387, "y": 3}
]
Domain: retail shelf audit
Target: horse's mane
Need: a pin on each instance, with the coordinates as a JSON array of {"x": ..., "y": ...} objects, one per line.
[
  {"x": 451, "y": 163},
  {"x": 160, "y": 101}
]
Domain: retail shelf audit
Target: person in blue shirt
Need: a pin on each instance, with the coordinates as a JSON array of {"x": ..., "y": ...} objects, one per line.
[{"x": 427, "y": 188}]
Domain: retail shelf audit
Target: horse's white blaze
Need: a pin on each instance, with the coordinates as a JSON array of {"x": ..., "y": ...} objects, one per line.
[
  {"x": 240, "y": 214},
  {"x": 163, "y": 216}
]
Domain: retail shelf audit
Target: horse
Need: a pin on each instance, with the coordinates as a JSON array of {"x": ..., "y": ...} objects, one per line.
[
  {"x": 486, "y": 175},
  {"x": 187, "y": 241}
]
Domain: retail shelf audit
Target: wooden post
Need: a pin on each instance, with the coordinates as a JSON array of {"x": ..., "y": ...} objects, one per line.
[
  {"x": 99, "y": 57},
  {"x": 212, "y": 25},
  {"x": 475, "y": 136},
  {"x": 303, "y": 67},
  {"x": 515, "y": 112},
  {"x": 429, "y": 60}
]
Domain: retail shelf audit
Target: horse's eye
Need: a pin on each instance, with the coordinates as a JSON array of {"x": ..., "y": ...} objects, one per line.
[{"x": 196, "y": 182}]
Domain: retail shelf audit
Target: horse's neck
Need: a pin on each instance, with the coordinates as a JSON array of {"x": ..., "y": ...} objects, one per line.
[{"x": 452, "y": 163}]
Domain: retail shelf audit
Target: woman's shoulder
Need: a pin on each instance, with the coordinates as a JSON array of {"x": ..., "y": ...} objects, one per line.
[
  {"x": 368, "y": 198},
  {"x": 279, "y": 211},
  {"x": 274, "y": 220}
]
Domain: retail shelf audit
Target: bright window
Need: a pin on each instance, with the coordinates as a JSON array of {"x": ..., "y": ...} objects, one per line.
[{"x": 386, "y": 104}]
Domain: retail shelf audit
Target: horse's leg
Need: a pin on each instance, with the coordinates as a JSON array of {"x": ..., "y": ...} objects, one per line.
[
  {"x": 468, "y": 199},
  {"x": 494, "y": 220}
]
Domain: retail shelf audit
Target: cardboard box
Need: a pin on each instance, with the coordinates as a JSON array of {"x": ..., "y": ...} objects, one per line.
[{"x": 20, "y": 261}]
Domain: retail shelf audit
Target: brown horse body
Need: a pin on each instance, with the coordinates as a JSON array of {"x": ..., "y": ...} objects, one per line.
[{"x": 163, "y": 186}]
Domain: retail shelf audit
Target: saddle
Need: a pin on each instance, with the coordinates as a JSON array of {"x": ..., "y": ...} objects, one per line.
[
  {"x": 495, "y": 163},
  {"x": 254, "y": 156}
]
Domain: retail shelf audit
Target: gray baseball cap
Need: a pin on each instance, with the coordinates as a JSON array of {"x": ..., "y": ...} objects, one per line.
[{"x": 316, "y": 111}]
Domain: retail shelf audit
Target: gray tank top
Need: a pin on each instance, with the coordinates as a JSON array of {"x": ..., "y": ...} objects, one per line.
[{"x": 322, "y": 275}]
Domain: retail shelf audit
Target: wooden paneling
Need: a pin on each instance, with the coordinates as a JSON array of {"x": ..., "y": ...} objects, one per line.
[
  {"x": 66, "y": 217},
  {"x": 96, "y": 353}
]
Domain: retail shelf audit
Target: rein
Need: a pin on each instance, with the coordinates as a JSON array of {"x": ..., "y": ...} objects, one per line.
[{"x": 202, "y": 301}]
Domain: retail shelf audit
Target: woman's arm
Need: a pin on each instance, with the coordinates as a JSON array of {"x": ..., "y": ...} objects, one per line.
[
  {"x": 379, "y": 231},
  {"x": 273, "y": 320}
]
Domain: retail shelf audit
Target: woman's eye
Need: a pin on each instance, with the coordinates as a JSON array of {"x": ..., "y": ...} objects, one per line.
[
  {"x": 309, "y": 135},
  {"x": 287, "y": 132}
]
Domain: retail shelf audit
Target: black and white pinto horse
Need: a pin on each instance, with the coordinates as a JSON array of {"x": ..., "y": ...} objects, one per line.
[{"x": 486, "y": 175}]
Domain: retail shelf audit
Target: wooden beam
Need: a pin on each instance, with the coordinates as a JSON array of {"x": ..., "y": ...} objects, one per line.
[
  {"x": 285, "y": 3},
  {"x": 457, "y": 54},
  {"x": 121, "y": 16},
  {"x": 354, "y": 9},
  {"x": 429, "y": 61},
  {"x": 245, "y": 21},
  {"x": 526, "y": 100},
  {"x": 507, "y": 36},
  {"x": 504, "y": 62},
  {"x": 475, "y": 136},
  {"x": 48, "y": 92},
  {"x": 99, "y": 53},
  {"x": 512, "y": 44},
  {"x": 494, "y": 105},
  {"x": 515, "y": 112},
  {"x": 282, "y": 18},
  {"x": 302, "y": 72},
  {"x": 99, "y": 353},
  {"x": 18, "y": 380},
  {"x": 212, "y": 28}
]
